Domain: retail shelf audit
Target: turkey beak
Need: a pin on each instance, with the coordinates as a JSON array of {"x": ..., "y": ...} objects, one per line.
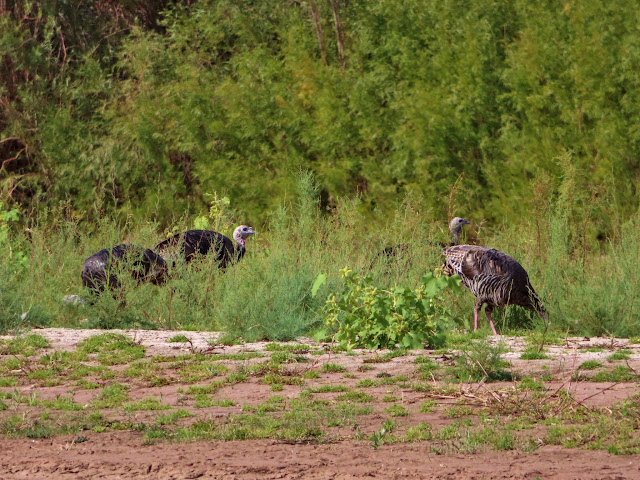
[
  {"x": 251, "y": 231},
  {"x": 465, "y": 222}
]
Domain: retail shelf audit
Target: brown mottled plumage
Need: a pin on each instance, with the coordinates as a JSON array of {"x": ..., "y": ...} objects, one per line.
[{"x": 493, "y": 277}]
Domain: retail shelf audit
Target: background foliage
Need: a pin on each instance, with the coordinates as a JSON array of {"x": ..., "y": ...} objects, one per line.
[{"x": 144, "y": 107}]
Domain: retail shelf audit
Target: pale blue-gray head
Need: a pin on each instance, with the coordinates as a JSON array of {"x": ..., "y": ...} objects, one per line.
[
  {"x": 241, "y": 233},
  {"x": 455, "y": 226}
]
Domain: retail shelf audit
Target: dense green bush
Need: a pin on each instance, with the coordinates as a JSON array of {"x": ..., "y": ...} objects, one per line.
[
  {"x": 467, "y": 107},
  {"x": 362, "y": 315}
]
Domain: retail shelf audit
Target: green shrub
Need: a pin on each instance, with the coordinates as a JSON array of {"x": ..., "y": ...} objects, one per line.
[{"x": 362, "y": 315}]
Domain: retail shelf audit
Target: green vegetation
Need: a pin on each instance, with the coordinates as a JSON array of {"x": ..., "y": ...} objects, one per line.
[
  {"x": 149, "y": 403},
  {"x": 481, "y": 361},
  {"x": 329, "y": 388},
  {"x": 178, "y": 338},
  {"x": 617, "y": 374},
  {"x": 397, "y": 411},
  {"x": 25, "y": 345},
  {"x": 455, "y": 418},
  {"x": 492, "y": 89},
  {"x": 590, "y": 365},
  {"x": 529, "y": 383},
  {"x": 112, "y": 396},
  {"x": 333, "y": 367},
  {"x": 619, "y": 355},
  {"x": 355, "y": 396},
  {"x": 532, "y": 353},
  {"x": 112, "y": 348},
  {"x": 363, "y": 315},
  {"x": 172, "y": 417}
]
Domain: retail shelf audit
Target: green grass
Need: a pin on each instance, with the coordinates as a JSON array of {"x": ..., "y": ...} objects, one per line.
[
  {"x": 112, "y": 396},
  {"x": 62, "y": 403},
  {"x": 481, "y": 361},
  {"x": 178, "y": 339},
  {"x": 397, "y": 411},
  {"x": 532, "y": 353},
  {"x": 329, "y": 389},
  {"x": 149, "y": 403},
  {"x": 427, "y": 371},
  {"x": 271, "y": 379},
  {"x": 366, "y": 383},
  {"x": 205, "y": 389},
  {"x": 293, "y": 348},
  {"x": 458, "y": 411},
  {"x": 355, "y": 396},
  {"x": 236, "y": 356},
  {"x": 296, "y": 421},
  {"x": 619, "y": 355},
  {"x": 333, "y": 368},
  {"x": 172, "y": 417},
  {"x": 532, "y": 384},
  {"x": 515, "y": 420},
  {"x": 237, "y": 377},
  {"x": 620, "y": 373},
  {"x": 278, "y": 301},
  {"x": 112, "y": 348},
  {"x": 419, "y": 433},
  {"x": 428, "y": 406},
  {"x": 202, "y": 400},
  {"x": 590, "y": 365},
  {"x": 26, "y": 345},
  {"x": 86, "y": 384},
  {"x": 426, "y": 361},
  {"x": 8, "y": 381}
]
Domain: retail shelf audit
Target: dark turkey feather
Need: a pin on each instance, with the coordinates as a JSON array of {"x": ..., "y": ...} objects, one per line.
[
  {"x": 206, "y": 242},
  {"x": 102, "y": 269},
  {"x": 193, "y": 242},
  {"x": 493, "y": 277}
]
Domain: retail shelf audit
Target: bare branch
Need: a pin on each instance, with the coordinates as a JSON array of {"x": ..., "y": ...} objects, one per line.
[
  {"x": 335, "y": 7},
  {"x": 318, "y": 25}
]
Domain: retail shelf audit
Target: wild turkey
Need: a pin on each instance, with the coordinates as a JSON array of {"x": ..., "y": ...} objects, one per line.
[
  {"x": 455, "y": 227},
  {"x": 493, "y": 277},
  {"x": 101, "y": 269},
  {"x": 401, "y": 249},
  {"x": 188, "y": 243}
]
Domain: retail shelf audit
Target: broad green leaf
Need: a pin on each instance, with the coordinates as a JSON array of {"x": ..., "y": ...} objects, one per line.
[{"x": 318, "y": 282}]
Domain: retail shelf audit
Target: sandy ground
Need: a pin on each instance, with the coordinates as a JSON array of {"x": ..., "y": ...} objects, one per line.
[
  {"x": 125, "y": 454},
  {"x": 122, "y": 455}
]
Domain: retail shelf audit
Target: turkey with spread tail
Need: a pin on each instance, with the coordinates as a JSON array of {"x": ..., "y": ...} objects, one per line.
[
  {"x": 101, "y": 270},
  {"x": 192, "y": 242},
  {"x": 493, "y": 277}
]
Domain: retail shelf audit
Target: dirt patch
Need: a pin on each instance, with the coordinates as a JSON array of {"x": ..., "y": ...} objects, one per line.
[
  {"x": 122, "y": 455},
  {"x": 306, "y": 411}
]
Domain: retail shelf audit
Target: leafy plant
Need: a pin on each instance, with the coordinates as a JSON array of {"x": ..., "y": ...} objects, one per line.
[{"x": 362, "y": 315}]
